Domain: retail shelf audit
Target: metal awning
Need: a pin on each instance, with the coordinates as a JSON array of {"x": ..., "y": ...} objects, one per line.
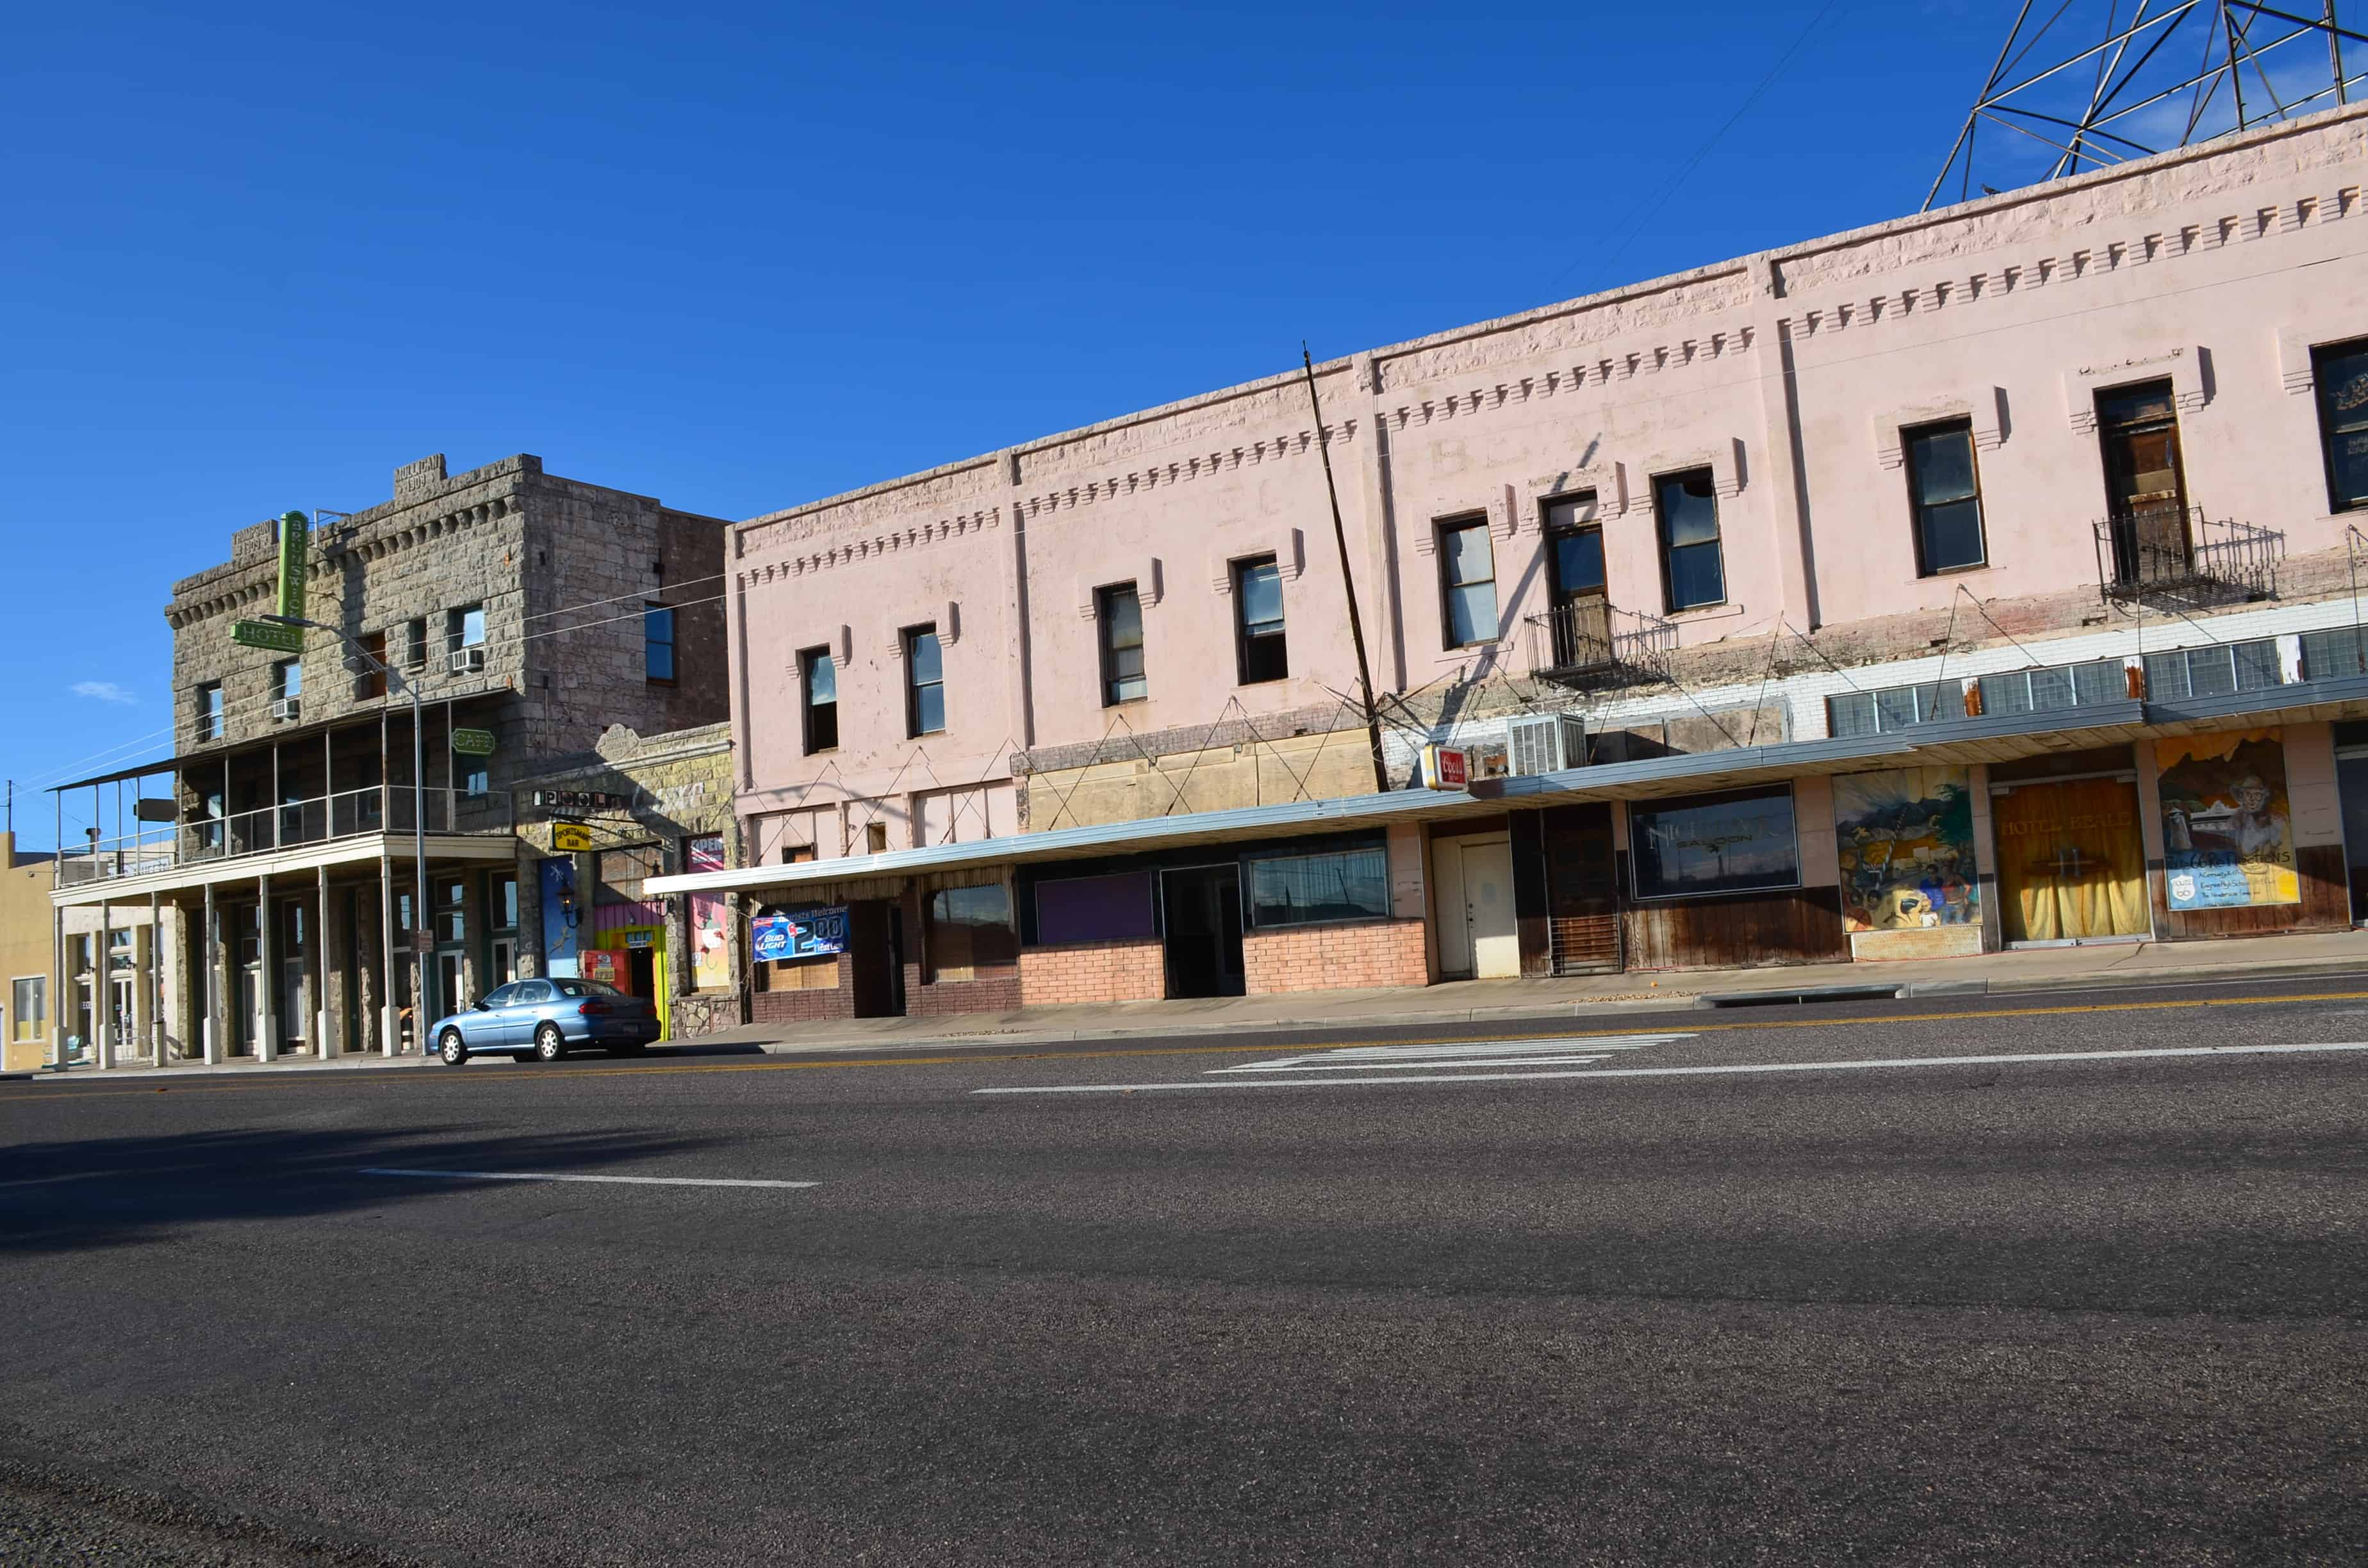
[
  {"x": 1990, "y": 738},
  {"x": 1246, "y": 823}
]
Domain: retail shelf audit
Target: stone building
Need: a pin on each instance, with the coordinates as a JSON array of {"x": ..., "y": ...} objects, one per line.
[
  {"x": 646, "y": 806},
  {"x": 528, "y": 612},
  {"x": 1977, "y": 577}
]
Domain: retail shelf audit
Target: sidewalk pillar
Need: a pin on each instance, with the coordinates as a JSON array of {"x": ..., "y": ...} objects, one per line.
[
  {"x": 210, "y": 995},
  {"x": 324, "y": 1009},
  {"x": 266, "y": 1003},
  {"x": 61, "y": 995},
  {"x": 102, "y": 990},
  {"x": 155, "y": 981},
  {"x": 390, "y": 1028}
]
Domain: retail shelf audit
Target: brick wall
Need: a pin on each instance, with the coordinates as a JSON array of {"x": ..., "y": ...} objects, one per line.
[
  {"x": 995, "y": 991},
  {"x": 803, "y": 1006},
  {"x": 1093, "y": 971},
  {"x": 1332, "y": 958}
]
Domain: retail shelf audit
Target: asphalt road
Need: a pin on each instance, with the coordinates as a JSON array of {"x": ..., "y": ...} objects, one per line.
[{"x": 1835, "y": 1293}]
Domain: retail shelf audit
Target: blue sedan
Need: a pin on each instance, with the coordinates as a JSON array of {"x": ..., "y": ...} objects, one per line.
[{"x": 542, "y": 1020}]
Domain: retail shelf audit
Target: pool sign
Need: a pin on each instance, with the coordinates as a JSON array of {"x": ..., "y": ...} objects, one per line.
[{"x": 810, "y": 933}]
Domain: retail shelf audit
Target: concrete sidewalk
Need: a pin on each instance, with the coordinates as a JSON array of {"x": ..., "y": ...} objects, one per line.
[
  {"x": 2343, "y": 953},
  {"x": 1482, "y": 1001}
]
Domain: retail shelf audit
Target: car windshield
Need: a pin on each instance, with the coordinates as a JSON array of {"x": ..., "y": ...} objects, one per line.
[{"x": 585, "y": 988}]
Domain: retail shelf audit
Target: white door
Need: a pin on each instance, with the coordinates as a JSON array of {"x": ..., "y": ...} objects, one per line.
[{"x": 1488, "y": 910}]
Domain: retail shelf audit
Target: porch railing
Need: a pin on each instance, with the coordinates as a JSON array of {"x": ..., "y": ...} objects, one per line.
[
  {"x": 349, "y": 814},
  {"x": 1592, "y": 638},
  {"x": 2176, "y": 552}
]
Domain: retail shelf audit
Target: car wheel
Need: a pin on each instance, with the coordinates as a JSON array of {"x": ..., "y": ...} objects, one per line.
[
  {"x": 549, "y": 1045},
  {"x": 452, "y": 1048}
]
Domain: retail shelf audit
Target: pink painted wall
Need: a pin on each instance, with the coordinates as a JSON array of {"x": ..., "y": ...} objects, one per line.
[{"x": 1789, "y": 373}]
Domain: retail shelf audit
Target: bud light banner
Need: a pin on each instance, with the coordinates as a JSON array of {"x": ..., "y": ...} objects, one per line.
[{"x": 805, "y": 934}]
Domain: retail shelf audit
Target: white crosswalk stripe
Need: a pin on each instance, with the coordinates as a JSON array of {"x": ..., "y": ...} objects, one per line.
[{"x": 1480, "y": 1053}]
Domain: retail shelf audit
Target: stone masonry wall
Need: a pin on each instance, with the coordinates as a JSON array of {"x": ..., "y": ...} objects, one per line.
[
  {"x": 1335, "y": 958},
  {"x": 1092, "y": 972},
  {"x": 507, "y": 536}
]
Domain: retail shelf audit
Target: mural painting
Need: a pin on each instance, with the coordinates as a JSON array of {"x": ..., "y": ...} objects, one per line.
[
  {"x": 1905, "y": 841},
  {"x": 2227, "y": 830},
  {"x": 711, "y": 951}
]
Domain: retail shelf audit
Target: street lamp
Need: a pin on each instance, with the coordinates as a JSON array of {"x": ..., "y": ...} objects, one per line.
[{"x": 418, "y": 818}]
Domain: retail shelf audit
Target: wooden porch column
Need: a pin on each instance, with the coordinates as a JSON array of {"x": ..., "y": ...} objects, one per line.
[
  {"x": 102, "y": 989},
  {"x": 155, "y": 980},
  {"x": 209, "y": 1027},
  {"x": 389, "y": 1029},
  {"x": 266, "y": 1003}
]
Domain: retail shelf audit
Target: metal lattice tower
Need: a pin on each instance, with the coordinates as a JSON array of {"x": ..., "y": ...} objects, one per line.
[{"x": 2085, "y": 86}]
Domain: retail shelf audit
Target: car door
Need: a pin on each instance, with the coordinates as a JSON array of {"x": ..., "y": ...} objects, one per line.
[
  {"x": 481, "y": 1026},
  {"x": 530, "y": 1003}
]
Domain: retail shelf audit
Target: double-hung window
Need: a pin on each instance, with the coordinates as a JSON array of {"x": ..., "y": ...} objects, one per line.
[
  {"x": 925, "y": 682},
  {"x": 2340, "y": 370},
  {"x": 1260, "y": 653},
  {"x": 1467, "y": 582},
  {"x": 657, "y": 644},
  {"x": 1118, "y": 611},
  {"x": 287, "y": 688},
  {"x": 1694, "y": 569},
  {"x": 209, "y": 712},
  {"x": 818, "y": 695},
  {"x": 1946, "y": 495}
]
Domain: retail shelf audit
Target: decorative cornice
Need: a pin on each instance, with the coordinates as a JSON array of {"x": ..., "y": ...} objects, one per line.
[
  {"x": 874, "y": 543},
  {"x": 1182, "y": 471},
  {"x": 333, "y": 548},
  {"x": 2097, "y": 257}
]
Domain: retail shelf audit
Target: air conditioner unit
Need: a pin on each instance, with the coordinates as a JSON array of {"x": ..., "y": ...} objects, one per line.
[
  {"x": 467, "y": 661},
  {"x": 287, "y": 709},
  {"x": 1546, "y": 745}
]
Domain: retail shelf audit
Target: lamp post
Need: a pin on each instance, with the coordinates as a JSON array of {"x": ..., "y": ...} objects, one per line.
[{"x": 418, "y": 813}]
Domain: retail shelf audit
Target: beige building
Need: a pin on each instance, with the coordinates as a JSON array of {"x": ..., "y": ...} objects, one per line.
[{"x": 28, "y": 957}]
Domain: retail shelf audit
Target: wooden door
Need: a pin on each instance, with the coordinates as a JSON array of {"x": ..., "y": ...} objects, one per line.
[
  {"x": 2145, "y": 488},
  {"x": 2071, "y": 863},
  {"x": 1582, "y": 890}
]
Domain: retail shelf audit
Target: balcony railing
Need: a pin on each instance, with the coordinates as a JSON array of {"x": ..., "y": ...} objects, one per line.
[
  {"x": 1592, "y": 639},
  {"x": 2175, "y": 552},
  {"x": 350, "y": 814}
]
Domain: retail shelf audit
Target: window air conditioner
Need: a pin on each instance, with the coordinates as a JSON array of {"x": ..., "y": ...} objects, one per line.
[
  {"x": 1546, "y": 745},
  {"x": 287, "y": 709},
  {"x": 468, "y": 661}
]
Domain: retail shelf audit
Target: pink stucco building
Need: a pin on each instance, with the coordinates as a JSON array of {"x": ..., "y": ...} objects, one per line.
[{"x": 1973, "y": 578}]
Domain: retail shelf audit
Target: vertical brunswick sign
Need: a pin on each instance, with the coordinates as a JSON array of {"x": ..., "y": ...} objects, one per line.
[{"x": 295, "y": 551}]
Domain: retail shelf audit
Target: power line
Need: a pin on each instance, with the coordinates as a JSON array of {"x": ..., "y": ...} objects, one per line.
[{"x": 1669, "y": 187}]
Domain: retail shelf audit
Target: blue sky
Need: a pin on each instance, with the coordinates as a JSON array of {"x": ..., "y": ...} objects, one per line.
[{"x": 743, "y": 257}]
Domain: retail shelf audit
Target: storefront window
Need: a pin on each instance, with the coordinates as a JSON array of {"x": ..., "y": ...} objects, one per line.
[
  {"x": 1302, "y": 890},
  {"x": 1712, "y": 844},
  {"x": 970, "y": 929},
  {"x": 1115, "y": 908}
]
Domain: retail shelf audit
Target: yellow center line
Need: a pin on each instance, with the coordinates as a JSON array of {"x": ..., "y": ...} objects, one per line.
[{"x": 387, "y": 1079}]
